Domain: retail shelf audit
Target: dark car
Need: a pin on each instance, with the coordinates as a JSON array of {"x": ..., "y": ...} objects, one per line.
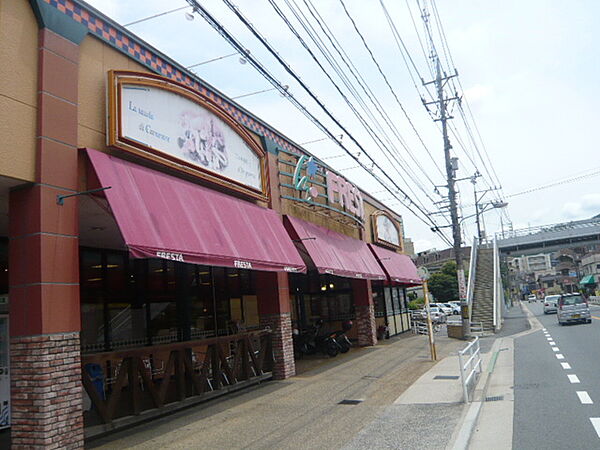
[{"x": 573, "y": 308}]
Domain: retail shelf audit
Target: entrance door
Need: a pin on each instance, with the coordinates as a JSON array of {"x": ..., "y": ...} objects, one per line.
[{"x": 4, "y": 374}]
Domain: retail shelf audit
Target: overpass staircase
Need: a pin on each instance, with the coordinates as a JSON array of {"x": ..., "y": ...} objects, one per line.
[{"x": 482, "y": 308}]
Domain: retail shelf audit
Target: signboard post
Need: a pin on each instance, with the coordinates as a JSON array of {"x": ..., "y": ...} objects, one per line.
[{"x": 424, "y": 275}]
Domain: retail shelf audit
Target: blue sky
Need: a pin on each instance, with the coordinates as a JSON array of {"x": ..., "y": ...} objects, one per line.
[{"x": 529, "y": 72}]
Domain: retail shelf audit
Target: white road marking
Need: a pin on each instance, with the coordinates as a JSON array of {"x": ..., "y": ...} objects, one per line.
[
  {"x": 596, "y": 423},
  {"x": 552, "y": 343},
  {"x": 584, "y": 398},
  {"x": 543, "y": 329},
  {"x": 555, "y": 349},
  {"x": 559, "y": 356},
  {"x": 573, "y": 378},
  {"x": 565, "y": 366},
  {"x": 548, "y": 338}
]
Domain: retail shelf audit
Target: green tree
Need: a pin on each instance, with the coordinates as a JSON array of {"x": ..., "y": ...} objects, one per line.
[{"x": 444, "y": 284}]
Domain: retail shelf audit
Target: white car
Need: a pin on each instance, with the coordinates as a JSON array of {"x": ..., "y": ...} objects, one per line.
[
  {"x": 532, "y": 298},
  {"x": 447, "y": 310},
  {"x": 455, "y": 308},
  {"x": 550, "y": 302}
]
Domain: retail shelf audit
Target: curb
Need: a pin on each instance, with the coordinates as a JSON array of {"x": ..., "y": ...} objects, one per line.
[{"x": 470, "y": 418}]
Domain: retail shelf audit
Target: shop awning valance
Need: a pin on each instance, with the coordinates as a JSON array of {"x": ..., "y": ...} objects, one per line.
[
  {"x": 334, "y": 253},
  {"x": 588, "y": 279},
  {"x": 399, "y": 268},
  {"x": 161, "y": 216}
]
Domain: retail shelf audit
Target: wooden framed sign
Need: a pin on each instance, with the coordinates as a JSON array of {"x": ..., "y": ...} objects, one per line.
[
  {"x": 386, "y": 230},
  {"x": 165, "y": 121}
]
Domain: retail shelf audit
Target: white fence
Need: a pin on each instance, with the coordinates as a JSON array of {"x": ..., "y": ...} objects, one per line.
[{"x": 470, "y": 368}]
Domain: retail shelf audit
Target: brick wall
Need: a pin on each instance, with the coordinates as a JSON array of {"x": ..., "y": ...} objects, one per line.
[
  {"x": 46, "y": 392},
  {"x": 365, "y": 322},
  {"x": 284, "y": 365}
]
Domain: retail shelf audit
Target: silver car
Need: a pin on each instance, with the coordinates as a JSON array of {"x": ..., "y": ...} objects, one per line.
[
  {"x": 573, "y": 308},
  {"x": 550, "y": 303}
]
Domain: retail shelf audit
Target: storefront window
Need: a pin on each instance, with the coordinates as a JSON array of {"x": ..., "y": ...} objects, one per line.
[
  {"x": 387, "y": 293},
  {"x": 134, "y": 302}
]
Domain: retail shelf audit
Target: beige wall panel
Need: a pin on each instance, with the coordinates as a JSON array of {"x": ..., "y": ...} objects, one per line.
[
  {"x": 18, "y": 89},
  {"x": 18, "y": 51},
  {"x": 96, "y": 59},
  {"x": 17, "y": 148}
]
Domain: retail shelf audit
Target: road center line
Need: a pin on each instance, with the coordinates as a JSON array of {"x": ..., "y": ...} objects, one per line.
[
  {"x": 584, "y": 398},
  {"x": 552, "y": 343},
  {"x": 559, "y": 356},
  {"x": 565, "y": 366},
  {"x": 548, "y": 338},
  {"x": 596, "y": 423},
  {"x": 555, "y": 349},
  {"x": 573, "y": 378}
]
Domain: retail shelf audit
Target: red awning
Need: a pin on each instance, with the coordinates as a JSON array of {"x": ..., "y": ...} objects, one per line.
[
  {"x": 334, "y": 253},
  {"x": 399, "y": 268},
  {"x": 161, "y": 216}
]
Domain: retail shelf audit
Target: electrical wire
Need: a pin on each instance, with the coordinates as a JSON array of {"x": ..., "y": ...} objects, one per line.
[{"x": 406, "y": 201}]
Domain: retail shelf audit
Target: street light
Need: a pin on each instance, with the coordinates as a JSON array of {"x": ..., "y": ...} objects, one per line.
[{"x": 285, "y": 88}]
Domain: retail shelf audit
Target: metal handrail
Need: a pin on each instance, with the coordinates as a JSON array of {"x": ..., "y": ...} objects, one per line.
[
  {"x": 547, "y": 229},
  {"x": 472, "y": 270},
  {"x": 496, "y": 273},
  {"x": 473, "y": 365}
]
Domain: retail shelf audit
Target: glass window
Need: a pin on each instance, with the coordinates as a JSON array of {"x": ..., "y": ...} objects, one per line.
[
  {"x": 395, "y": 300},
  {"x": 387, "y": 293}
]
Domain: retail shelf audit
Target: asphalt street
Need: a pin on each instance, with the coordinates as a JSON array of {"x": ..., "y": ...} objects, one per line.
[{"x": 557, "y": 385}]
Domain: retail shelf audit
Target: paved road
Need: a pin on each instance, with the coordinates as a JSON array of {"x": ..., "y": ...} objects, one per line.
[{"x": 557, "y": 385}]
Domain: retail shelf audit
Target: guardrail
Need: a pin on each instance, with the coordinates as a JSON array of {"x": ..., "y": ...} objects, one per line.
[
  {"x": 471, "y": 367},
  {"x": 419, "y": 327},
  {"x": 476, "y": 327},
  {"x": 472, "y": 271}
]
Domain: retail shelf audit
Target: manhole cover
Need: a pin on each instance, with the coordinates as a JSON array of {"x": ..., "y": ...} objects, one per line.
[
  {"x": 494, "y": 398},
  {"x": 350, "y": 402},
  {"x": 446, "y": 377}
]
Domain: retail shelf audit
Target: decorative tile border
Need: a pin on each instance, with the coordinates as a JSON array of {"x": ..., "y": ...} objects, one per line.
[{"x": 146, "y": 56}]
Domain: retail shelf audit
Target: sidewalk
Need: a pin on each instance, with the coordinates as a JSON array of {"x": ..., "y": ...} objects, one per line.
[{"x": 304, "y": 412}]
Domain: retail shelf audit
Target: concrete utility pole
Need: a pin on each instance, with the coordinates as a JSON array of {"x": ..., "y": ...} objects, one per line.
[
  {"x": 451, "y": 164},
  {"x": 450, "y": 169}
]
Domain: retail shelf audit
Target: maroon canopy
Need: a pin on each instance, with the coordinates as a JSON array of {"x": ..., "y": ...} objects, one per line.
[
  {"x": 161, "y": 216},
  {"x": 335, "y": 253},
  {"x": 399, "y": 268}
]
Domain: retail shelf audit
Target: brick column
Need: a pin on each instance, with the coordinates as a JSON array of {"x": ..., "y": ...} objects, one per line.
[
  {"x": 273, "y": 293},
  {"x": 365, "y": 312},
  {"x": 46, "y": 392}
]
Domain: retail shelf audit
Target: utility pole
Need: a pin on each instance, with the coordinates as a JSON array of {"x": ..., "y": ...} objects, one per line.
[{"x": 451, "y": 165}]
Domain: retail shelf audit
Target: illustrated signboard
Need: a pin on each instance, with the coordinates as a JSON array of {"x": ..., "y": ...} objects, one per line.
[
  {"x": 385, "y": 230},
  {"x": 157, "y": 118}
]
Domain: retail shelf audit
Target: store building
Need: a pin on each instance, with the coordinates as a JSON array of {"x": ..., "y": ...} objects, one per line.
[{"x": 159, "y": 242}]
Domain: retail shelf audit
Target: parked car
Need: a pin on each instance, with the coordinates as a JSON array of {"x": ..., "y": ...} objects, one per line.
[
  {"x": 532, "y": 298},
  {"x": 437, "y": 315},
  {"x": 455, "y": 307},
  {"x": 573, "y": 308},
  {"x": 550, "y": 303},
  {"x": 445, "y": 308}
]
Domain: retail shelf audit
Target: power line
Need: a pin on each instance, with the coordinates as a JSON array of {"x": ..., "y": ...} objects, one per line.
[
  {"x": 313, "y": 34},
  {"x": 423, "y": 216},
  {"x": 393, "y": 92}
]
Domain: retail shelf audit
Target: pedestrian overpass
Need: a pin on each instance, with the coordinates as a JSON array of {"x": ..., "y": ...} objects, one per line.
[{"x": 547, "y": 238}]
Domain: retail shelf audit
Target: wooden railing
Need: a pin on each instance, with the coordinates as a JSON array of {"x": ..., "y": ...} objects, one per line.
[{"x": 131, "y": 382}]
